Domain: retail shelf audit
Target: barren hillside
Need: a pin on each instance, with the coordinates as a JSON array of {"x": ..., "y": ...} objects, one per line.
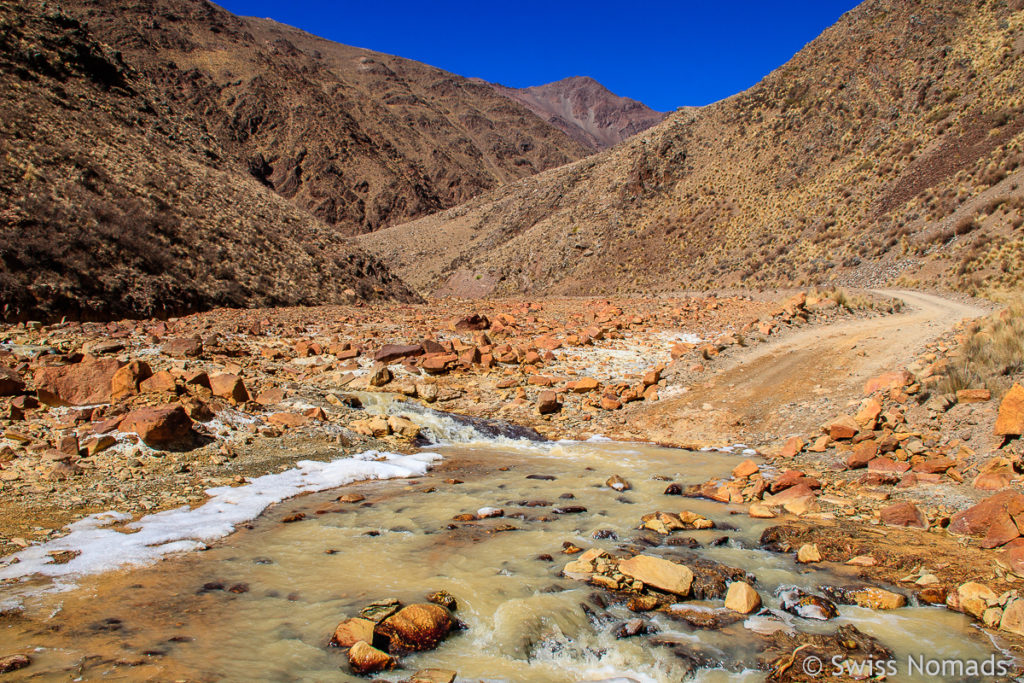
[
  {"x": 111, "y": 204},
  {"x": 888, "y": 149},
  {"x": 360, "y": 139},
  {"x": 586, "y": 110}
]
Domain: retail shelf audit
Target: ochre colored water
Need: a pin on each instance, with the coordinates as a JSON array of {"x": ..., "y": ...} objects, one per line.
[{"x": 524, "y": 621}]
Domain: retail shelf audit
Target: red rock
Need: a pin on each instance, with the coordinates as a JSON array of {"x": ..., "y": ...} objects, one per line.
[
  {"x": 903, "y": 514},
  {"x": 973, "y": 395},
  {"x": 125, "y": 382},
  {"x": 159, "y": 426},
  {"x": 976, "y": 520},
  {"x": 183, "y": 347},
  {"x": 862, "y": 454},
  {"x": 470, "y": 356},
  {"x": 934, "y": 465},
  {"x": 78, "y": 384},
  {"x": 868, "y": 414},
  {"x": 161, "y": 382},
  {"x": 994, "y": 480},
  {"x": 540, "y": 380},
  {"x": 11, "y": 383},
  {"x": 531, "y": 358},
  {"x": 583, "y": 385},
  {"x": 1014, "y": 556},
  {"x": 1010, "y": 420},
  {"x": 888, "y": 465},
  {"x": 270, "y": 397},
  {"x": 745, "y": 469},
  {"x": 792, "y": 447},
  {"x": 438, "y": 363},
  {"x": 229, "y": 386},
  {"x": 890, "y": 380},
  {"x": 843, "y": 427},
  {"x": 547, "y": 402},
  {"x": 475, "y": 321},
  {"x": 415, "y": 628},
  {"x": 288, "y": 419},
  {"x": 791, "y": 478},
  {"x": 390, "y": 353},
  {"x": 1001, "y": 530},
  {"x": 609, "y": 403}
]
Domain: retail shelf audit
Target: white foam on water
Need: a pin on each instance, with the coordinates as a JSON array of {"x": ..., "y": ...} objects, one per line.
[{"x": 144, "y": 541}]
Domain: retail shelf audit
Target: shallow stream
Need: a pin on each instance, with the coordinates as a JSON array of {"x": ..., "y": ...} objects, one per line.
[{"x": 261, "y": 604}]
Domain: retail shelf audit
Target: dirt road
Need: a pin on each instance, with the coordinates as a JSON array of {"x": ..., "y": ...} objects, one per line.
[{"x": 791, "y": 385}]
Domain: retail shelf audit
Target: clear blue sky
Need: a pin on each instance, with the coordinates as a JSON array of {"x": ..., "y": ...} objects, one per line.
[{"x": 665, "y": 54}]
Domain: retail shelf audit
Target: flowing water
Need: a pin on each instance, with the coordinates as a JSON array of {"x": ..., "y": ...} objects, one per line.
[{"x": 262, "y": 603}]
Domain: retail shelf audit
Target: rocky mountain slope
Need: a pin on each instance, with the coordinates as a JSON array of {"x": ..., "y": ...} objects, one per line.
[
  {"x": 586, "y": 110},
  {"x": 360, "y": 139},
  {"x": 112, "y": 203},
  {"x": 888, "y": 149}
]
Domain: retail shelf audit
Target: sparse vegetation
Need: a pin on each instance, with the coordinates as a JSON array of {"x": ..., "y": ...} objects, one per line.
[{"x": 991, "y": 355}]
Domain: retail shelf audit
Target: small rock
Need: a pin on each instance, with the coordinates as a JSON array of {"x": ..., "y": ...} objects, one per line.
[
  {"x": 742, "y": 598},
  {"x": 366, "y": 659},
  {"x": 808, "y": 553}
]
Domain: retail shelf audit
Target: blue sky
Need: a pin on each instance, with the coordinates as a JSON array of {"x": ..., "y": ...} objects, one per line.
[{"x": 665, "y": 54}]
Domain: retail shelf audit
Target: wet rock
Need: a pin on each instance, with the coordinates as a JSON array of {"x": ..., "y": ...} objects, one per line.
[
  {"x": 802, "y": 604},
  {"x": 741, "y": 597},
  {"x": 380, "y": 610},
  {"x": 703, "y": 617},
  {"x": 366, "y": 659},
  {"x": 443, "y": 598},
  {"x": 604, "y": 534},
  {"x": 159, "y": 426},
  {"x": 433, "y": 676},
  {"x": 711, "y": 579},
  {"x": 642, "y": 603},
  {"x": 351, "y": 498},
  {"x": 808, "y": 553},
  {"x": 666, "y": 522},
  {"x": 787, "y": 651},
  {"x": 870, "y": 597},
  {"x": 415, "y": 628},
  {"x": 661, "y": 574},
  {"x": 633, "y": 627},
  {"x": 584, "y": 566},
  {"x": 673, "y": 490},
  {"x": 11, "y": 663},
  {"x": 569, "y": 510},
  {"x": 380, "y": 376},
  {"x": 542, "y": 477},
  {"x": 352, "y": 631},
  {"x": 618, "y": 483},
  {"x": 77, "y": 384}
]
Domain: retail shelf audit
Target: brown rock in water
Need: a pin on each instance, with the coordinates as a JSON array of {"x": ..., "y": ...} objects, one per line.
[
  {"x": 808, "y": 553},
  {"x": 903, "y": 514},
  {"x": 745, "y": 469},
  {"x": 658, "y": 573},
  {"x": 618, "y": 483},
  {"x": 433, "y": 676},
  {"x": 366, "y": 659},
  {"x": 229, "y": 386},
  {"x": 352, "y": 631},
  {"x": 415, "y": 628},
  {"x": 876, "y": 598},
  {"x": 1010, "y": 420},
  {"x": 742, "y": 598},
  {"x": 443, "y": 598},
  {"x": 547, "y": 403},
  {"x": 14, "y": 662},
  {"x": 78, "y": 384},
  {"x": 159, "y": 426}
]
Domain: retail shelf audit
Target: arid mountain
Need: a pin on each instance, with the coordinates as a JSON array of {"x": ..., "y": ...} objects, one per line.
[
  {"x": 360, "y": 139},
  {"x": 888, "y": 150},
  {"x": 586, "y": 110},
  {"x": 112, "y": 204}
]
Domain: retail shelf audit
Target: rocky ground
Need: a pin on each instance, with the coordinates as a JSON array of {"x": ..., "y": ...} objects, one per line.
[{"x": 145, "y": 415}]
